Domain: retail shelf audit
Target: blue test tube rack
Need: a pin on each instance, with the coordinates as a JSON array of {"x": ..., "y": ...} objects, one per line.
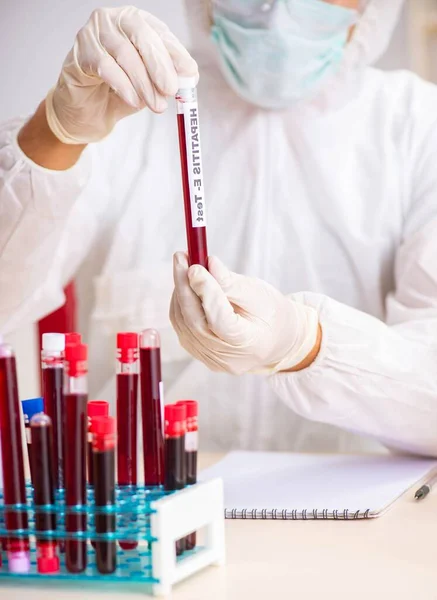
[{"x": 152, "y": 517}]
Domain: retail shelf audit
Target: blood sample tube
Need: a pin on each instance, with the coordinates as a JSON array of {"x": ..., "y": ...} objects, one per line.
[
  {"x": 95, "y": 408},
  {"x": 75, "y": 397},
  {"x": 44, "y": 491},
  {"x": 14, "y": 491},
  {"x": 191, "y": 447},
  {"x": 31, "y": 407},
  {"x": 127, "y": 413},
  {"x": 104, "y": 443},
  {"x": 52, "y": 365},
  {"x": 175, "y": 464},
  {"x": 73, "y": 338},
  {"x": 152, "y": 403},
  {"x": 192, "y": 172}
]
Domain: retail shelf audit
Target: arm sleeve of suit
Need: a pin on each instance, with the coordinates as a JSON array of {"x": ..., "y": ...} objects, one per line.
[
  {"x": 35, "y": 204},
  {"x": 375, "y": 377}
]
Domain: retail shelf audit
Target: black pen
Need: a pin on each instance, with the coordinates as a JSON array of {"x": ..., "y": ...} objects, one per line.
[{"x": 423, "y": 491}]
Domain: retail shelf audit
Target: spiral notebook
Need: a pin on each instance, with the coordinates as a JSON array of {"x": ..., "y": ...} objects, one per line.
[{"x": 269, "y": 485}]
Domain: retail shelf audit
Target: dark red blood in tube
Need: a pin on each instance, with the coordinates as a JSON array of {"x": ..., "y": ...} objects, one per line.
[
  {"x": 76, "y": 422},
  {"x": 103, "y": 431},
  {"x": 44, "y": 491},
  {"x": 152, "y": 407},
  {"x": 12, "y": 460},
  {"x": 95, "y": 408},
  {"x": 127, "y": 414},
  {"x": 196, "y": 236},
  {"x": 175, "y": 462},
  {"x": 191, "y": 447}
]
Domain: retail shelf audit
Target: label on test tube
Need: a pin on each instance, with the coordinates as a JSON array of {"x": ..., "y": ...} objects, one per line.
[
  {"x": 161, "y": 396},
  {"x": 195, "y": 170},
  {"x": 191, "y": 441}
]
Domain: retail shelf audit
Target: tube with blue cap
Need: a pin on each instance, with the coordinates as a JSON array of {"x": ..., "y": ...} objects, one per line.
[{"x": 31, "y": 406}]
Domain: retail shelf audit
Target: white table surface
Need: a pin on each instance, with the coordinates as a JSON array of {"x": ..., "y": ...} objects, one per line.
[{"x": 393, "y": 557}]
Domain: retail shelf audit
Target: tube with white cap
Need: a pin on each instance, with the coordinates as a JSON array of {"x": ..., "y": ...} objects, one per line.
[{"x": 192, "y": 171}]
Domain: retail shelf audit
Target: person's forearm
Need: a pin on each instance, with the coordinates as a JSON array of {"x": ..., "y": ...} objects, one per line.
[
  {"x": 311, "y": 357},
  {"x": 39, "y": 143}
]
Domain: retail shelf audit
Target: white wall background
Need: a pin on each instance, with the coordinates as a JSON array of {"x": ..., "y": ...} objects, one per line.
[{"x": 35, "y": 37}]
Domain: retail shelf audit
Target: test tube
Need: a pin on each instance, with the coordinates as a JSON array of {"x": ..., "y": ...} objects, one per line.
[
  {"x": 192, "y": 171},
  {"x": 75, "y": 395},
  {"x": 30, "y": 407},
  {"x": 44, "y": 492},
  {"x": 127, "y": 413},
  {"x": 152, "y": 402},
  {"x": 52, "y": 365},
  {"x": 191, "y": 447},
  {"x": 104, "y": 442},
  {"x": 95, "y": 408},
  {"x": 14, "y": 491},
  {"x": 175, "y": 464}
]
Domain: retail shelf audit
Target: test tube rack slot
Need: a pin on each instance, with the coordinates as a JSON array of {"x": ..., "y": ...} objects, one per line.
[{"x": 154, "y": 518}]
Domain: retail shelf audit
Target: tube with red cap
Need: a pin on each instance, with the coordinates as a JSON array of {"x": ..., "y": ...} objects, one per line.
[
  {"x": 127, "y": 413},
  {"x": 14, "y": 491},
  {"x": 191, "y": 448},
  {"x": 104, "y": 443},
  {"x": 76, "y": 396},
  {"x": 44, "y": 492},
  {"x": 175, "y": 466},
  {"x": 152, "y": 407},
  {"x": 52, "y": 365},
  {"x": 95, "y": 408}
]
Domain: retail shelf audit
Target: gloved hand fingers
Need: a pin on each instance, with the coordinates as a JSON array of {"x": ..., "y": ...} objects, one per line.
[
  {"x": 155, "y": 56},
  {"x": 250, "y": 296},
  {"x": 188, "y": 341},
  {"x": 190, "y": 305},
  {"x": 183, "y": 62},
  {"x": 222, "y": 320},
  {"x": 102, "y": 65},
  {"x": 126, "y": 55}
]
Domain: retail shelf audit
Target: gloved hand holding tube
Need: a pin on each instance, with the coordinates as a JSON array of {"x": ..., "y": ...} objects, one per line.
[
  {"x": 123, "y": 59},
  {"x": 239, "y": 324}
]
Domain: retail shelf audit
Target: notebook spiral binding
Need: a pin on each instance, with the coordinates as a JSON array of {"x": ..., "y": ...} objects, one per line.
[{"x": 295, "y": 515}]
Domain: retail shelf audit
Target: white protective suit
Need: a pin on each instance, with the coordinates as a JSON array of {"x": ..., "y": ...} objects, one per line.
[{"x": 337, "y": 198}]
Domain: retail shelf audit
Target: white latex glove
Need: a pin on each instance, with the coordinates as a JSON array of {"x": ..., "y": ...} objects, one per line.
[
  {"x": 123, "y": 59},
  {"x": 238, "y": 324}
]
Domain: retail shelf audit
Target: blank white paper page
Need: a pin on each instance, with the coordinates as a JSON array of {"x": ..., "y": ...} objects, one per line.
[{"x": 269, "y": 480}]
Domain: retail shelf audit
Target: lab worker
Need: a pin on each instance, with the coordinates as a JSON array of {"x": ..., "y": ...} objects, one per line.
[{"x": 316, "y": 328}]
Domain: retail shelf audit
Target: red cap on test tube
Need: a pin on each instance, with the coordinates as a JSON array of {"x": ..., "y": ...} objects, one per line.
[
  {"x": 97, "y": 408},
  {"x": 76, "y": 358},
  {"x": 175, "y": 417},
  {"x": 127, "y": 346}
]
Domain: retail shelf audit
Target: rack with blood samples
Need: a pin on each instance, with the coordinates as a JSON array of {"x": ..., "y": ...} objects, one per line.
[
  {"x": 42, "y": 517},
  {"x": 52, "y": 365},
  {"x": 76, "y": 397},
  {"x": 192, "y": 171},
  {"x": 127, "y": 414},
  {"x": 152, "y": 403}
]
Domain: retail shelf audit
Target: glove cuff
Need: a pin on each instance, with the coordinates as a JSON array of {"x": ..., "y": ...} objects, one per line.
[
  {"x": 309, "y": 319},
  {"x": 54, "y": 124}
]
